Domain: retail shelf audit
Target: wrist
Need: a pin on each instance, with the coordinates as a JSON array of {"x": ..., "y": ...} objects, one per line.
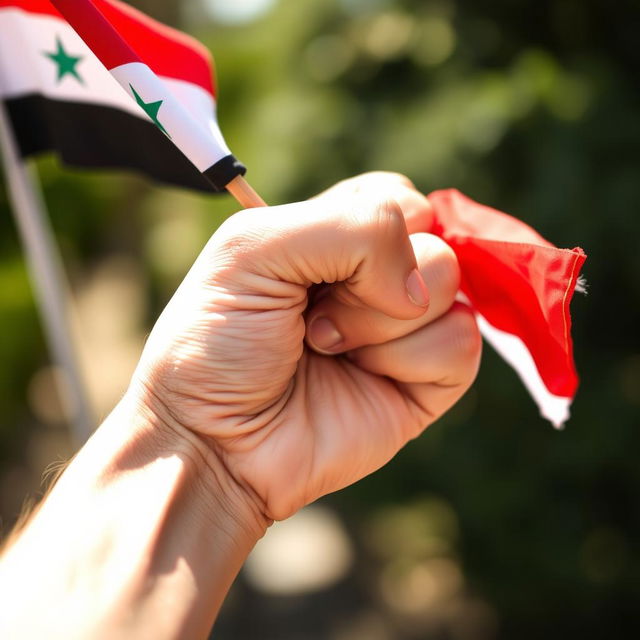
[{"x": 157, "y": 433}]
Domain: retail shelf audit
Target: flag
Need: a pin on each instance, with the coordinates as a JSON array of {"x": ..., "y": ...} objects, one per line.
[
  {"x": 519, "y": 287},
  {"x": 60, "y": 97}
]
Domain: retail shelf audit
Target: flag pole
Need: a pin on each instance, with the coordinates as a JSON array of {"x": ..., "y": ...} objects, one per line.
[
  {"x": 48, "y": 280},
  {"x": 244, "y": 193}
]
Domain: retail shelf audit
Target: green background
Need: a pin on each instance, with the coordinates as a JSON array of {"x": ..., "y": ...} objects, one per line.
[{"x": 530, "y": 107}]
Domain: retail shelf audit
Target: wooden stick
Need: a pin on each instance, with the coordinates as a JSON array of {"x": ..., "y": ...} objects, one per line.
[{"x": 244, "y": 193}]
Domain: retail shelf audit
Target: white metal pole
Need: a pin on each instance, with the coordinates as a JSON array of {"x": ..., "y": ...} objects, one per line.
[{"x": 48, "y": 279}]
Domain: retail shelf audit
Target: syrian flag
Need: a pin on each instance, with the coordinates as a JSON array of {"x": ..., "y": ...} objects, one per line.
[
  {"x": 60, "y": 96},
  {"x": 519, "y": 287},
  {"x": 143, "y": 91}
]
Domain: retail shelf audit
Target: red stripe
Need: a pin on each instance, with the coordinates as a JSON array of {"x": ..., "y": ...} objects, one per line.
[
  {"x": 518, "y": 281},
  {"x": 98, "y": 33},
  {"x": 166, "y": 51},
  {"x": 32, "y": 6}
]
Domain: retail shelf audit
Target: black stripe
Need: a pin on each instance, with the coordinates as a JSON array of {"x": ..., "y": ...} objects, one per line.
[
  {"x": 225, "y": 170},
  {"x": 95, "y": 136}
]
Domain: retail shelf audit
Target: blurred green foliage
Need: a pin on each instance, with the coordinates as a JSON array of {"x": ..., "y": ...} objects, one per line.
[{"x": 531, "y": 107}]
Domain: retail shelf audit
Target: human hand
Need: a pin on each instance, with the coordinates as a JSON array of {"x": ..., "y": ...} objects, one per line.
[
  {"x": 238, "y": 362},
  {"x": 236, "y": 415}
]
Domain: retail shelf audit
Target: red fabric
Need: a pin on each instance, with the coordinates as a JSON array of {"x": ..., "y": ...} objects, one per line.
[
  {"x": 517, "y": 280},
  {"x": 168, "y": 52}
]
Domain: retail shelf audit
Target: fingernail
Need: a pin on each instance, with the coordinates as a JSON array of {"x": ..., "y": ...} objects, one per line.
[
  {"x": 323, "y": 335},
  {"x": 417, "y": 289}
]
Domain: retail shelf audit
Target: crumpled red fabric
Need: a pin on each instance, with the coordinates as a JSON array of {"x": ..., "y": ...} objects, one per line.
[{"x": 520, "y": 286}]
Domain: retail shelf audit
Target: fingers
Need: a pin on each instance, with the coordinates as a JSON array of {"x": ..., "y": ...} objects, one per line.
[
  {"x": 337, "y": 323},
  {"x": 417, "y": 210},
  {"x": 433, "y": 366},
  {"x": 365, "y": 181},
  {"x": 360, "y": 241}
]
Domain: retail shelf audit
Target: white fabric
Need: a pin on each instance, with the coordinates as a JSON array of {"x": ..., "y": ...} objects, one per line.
[
  {"x": 191, "y": 135},
  {"x": 514, "y": 351},
  {"x": 25, "y": 69}
]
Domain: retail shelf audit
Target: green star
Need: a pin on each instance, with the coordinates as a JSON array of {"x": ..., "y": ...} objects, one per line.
[
  {"x": 66, "y": 63},
  {"x": 151, "y": 109}
]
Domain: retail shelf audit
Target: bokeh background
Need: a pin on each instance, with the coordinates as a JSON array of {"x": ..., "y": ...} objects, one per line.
[{"x": 491, "y": 525}]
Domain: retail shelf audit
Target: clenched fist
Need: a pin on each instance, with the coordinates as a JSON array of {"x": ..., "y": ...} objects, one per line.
[
  {"x": 311, "y": 341},
  {"x": 307, "y": 344}
]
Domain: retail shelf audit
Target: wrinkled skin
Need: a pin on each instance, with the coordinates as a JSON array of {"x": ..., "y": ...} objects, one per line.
[{"x": 238, "y": 360}]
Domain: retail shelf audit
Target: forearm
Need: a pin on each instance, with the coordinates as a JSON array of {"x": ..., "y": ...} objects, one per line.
[
  {"x": 146, "y": 530},
  {"x": 141, "y": 537}
]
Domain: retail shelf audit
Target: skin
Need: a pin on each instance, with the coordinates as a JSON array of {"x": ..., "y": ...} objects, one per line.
[{"x": 305, "y": 347}]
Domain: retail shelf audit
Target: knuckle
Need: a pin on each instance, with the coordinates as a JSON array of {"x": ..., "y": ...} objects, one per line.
[
  {"x": 449, "y": 270},
  {"x": 466, "y": 337},
  {"x": 388, "y": 220},
  {"x": 241, "y": 239},
  {"x": 438, "y": 262},
  {"x": 376, "y": 178},
  {"x": 232, "y": 232},
  {"x": 400, "y": 178},
  {"x": 387, "y": 177}
]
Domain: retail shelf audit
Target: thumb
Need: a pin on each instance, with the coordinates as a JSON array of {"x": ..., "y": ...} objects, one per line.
[{"x": 358, "y": 241}]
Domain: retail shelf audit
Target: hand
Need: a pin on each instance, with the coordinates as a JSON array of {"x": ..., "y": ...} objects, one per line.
[
  {"x": 239, "y": 360},
  {"x": 302, "y": 350}
]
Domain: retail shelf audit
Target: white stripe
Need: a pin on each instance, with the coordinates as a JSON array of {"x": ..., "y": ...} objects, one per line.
[
  {"x": 552, "y": 407},
  {"x": 26, "y": 38},
  {"x": 25, "y": 69},
  {"x": 193, "y": 137}
]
